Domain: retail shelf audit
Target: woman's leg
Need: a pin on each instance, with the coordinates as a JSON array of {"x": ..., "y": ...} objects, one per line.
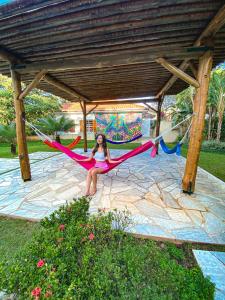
[
  {"x": 94, "y": 173},
  {"x": 88, "y": 182}
]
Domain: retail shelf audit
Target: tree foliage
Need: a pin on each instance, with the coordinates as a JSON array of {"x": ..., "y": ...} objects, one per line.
[{"x": 37, "y": 104}]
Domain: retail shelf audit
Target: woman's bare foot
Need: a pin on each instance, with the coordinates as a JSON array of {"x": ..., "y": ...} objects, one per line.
[
  {"x": 93, "y": 191},
  {"x": 87, "y": 193}
]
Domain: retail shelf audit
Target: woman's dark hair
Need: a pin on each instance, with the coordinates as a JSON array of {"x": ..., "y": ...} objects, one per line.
[{"x": 104, "y": 144}]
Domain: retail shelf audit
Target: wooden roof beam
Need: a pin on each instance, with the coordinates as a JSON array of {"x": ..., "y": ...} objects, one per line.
[
  {"x": 177, "y": 72},
  {"x": 9, "y": 56},
  {"x": 212, "y": 28},
  {"x": 120, "y": 102},
  {"x": 33, "y": 84},
  {"x": 65, "y": 88},
  {"x": 101, "y": 61}
]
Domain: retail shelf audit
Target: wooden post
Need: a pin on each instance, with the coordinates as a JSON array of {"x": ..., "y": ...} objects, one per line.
[
  {"x": 20, "y": 127},
  {"x": 158, "y": 120},
  {"x": 85, "y": 125},
  {"x": 200, "y": 99}
]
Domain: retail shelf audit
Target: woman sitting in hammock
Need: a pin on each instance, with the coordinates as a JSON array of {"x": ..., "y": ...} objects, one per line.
[{"x": 100, "y": 153}]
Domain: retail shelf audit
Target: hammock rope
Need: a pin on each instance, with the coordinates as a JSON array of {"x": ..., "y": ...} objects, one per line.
[{"x": 48, "y": 141}]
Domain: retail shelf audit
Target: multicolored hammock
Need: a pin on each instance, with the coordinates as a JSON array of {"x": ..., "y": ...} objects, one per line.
[
  {"x": 90, "y": 164},
  {"x": 70, "y": 146},
  {"x": 124, "y": 142}
]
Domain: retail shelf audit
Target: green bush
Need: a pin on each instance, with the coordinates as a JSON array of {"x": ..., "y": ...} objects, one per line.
[
  {"x": 77, "y": 256},
  {"x": 213, "y": 145}
]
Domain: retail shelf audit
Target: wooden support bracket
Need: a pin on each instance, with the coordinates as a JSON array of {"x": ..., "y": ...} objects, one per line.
[{"x": 177, "y": 72}]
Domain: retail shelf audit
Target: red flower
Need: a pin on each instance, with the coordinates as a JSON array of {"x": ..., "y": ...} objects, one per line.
[
  {"x": 91, "y": 236},
  {"x": 40, "y": 263},
  {"x": 36, "y": 292},
  {"x": 61, "y": 227}
]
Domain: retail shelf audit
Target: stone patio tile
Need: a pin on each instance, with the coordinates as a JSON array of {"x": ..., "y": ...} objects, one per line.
[
  {"x": 148, "y": 229},
  {"x": 178, "y": 215},
  {"x": 191, "y": 203},
  {"x": 211, "y": 267},
  {"x": 150, "y": 209},
  {"x": 194, "y": 234},
  {"x": 218, "y": 210},
  {"x": 195, "y": 216},
  {"x": 169, "y": 200},
  {"x": 213, "y": 224},
  {"x": 171, "y": 224},
  {"x": 219, "y": 255}
]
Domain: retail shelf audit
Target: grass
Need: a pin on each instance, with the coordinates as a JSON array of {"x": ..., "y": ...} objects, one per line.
[
  {"x": 211, "y": 161},
  {"x": 14, "y": 234}
]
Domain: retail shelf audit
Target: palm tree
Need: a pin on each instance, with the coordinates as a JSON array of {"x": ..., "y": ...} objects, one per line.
[
  {"x": 54, "y": 125},
  {"x": 8, "y": 134}
]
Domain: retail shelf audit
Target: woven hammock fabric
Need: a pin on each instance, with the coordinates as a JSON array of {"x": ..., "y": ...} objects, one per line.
[
  {"x": 70, "y": 146},
  {"x": 176, "y": 149},
  {"x": 124, "y": 142},
  {"x": 90, "y": 164}
]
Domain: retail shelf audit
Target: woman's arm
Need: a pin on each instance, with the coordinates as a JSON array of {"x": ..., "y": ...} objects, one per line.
[
  {"x": 111, "y": 161},
  {"x": 85, "y": 159}
]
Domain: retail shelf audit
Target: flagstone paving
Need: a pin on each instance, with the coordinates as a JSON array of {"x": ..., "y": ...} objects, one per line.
[
  {"x": 7, "y": 165},
  {"x": 212, "y": 264},
  {"x": 149, "y": 188}
]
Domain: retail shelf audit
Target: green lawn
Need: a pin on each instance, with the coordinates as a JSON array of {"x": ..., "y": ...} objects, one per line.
[
  {"x": 213, "y": 162},
  {"x": 14, "y": 234}
]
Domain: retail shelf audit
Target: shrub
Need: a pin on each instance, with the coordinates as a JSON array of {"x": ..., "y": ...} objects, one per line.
[
  {"x": 213, "y": 146},
  {"x": 77, "y": 256}
]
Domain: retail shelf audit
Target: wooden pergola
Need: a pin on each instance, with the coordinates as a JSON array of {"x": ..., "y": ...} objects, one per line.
[{"x": 106, "y": 52}]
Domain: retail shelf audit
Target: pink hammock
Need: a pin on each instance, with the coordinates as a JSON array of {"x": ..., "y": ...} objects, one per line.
[{"x": 90, "y": 164}]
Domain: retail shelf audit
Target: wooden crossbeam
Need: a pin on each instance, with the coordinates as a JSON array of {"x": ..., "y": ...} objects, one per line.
[
  {"x": 150, "y": 107},
  {"x": 91, "y": 110},
  {"x": 62, "y": 86},
  {"x": 100, "y": 61},
  {"x": 33, "y": 84},
  {"x": 177, "y": 72},
  {"x": 212, "y": 28},
  {"x": 109, "y": 102}
]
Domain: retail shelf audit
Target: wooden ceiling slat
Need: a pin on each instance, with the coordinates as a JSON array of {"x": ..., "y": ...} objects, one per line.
[{"x": 47, "y": 31}]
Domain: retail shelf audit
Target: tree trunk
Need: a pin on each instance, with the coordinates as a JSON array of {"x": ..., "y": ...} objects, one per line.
[
  {"x": 221, "y": 108},
  {"x": 57, "y": 138},
  {"x": 209, "y": 123},
  {"x": 13, "y": 148}
]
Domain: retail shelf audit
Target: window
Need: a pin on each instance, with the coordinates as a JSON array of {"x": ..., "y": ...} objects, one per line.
[{"x": 91, "y": 126}]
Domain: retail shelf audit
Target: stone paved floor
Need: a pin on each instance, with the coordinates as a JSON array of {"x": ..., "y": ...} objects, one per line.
[
  {"x": 212, "y": 264},
  {"x": 149, "y": 188}
]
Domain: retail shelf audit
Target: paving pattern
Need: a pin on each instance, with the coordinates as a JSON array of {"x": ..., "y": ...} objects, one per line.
[
  {"x": 149, "y": 188},
  {"x": 212, "y": 264}
]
